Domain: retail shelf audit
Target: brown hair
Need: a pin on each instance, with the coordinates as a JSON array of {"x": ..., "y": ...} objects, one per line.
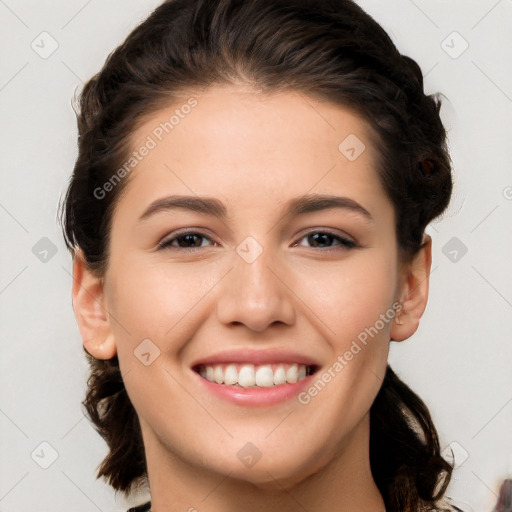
[{"x": 328, "y": 49}]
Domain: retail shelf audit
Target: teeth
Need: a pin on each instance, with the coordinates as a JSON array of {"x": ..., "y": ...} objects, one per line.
[
  {"x": 279, "y": 376},
  {"x": 218, "y": 375},
  {"x": 230, "y": 375},
  {"x": 292, "y": 374},
  {"x": 264, "y": 376},
  {"x": 247, "y": 375}
]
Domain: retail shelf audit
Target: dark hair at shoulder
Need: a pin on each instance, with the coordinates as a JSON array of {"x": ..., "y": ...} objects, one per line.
[
  {"x": 404, "y": 448},
  {"x": 330, "y": 50}
]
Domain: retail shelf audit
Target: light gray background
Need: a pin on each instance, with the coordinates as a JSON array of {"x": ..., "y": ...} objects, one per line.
[{"x": 459, "y": 361}]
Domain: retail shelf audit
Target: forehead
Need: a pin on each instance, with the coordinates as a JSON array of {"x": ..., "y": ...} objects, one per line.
[
  {"x": 221, "y": 115},
  {"x": 246, "y": 145}
]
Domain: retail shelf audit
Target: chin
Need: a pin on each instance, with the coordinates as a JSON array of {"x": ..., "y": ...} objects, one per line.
[{"x": 274, "y": 472}]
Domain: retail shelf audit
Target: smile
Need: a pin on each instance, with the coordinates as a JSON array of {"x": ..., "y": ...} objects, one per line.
[{"x": 248, "y": 375}]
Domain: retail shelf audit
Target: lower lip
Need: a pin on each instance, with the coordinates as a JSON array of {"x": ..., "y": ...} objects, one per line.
[{"x": 255, "y": 396}]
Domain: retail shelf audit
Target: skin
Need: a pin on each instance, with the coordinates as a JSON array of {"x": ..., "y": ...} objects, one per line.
[{"x": 253, "y": 152}]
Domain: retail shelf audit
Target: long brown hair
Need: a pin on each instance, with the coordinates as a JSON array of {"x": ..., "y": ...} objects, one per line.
[{"x": 328, "y": 49}]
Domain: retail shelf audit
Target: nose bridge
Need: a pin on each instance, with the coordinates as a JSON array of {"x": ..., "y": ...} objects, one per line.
[{"x": 253, "y": 293}]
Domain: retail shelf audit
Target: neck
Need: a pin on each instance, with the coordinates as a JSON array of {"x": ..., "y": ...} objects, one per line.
[{"x": 344, "y": 483}]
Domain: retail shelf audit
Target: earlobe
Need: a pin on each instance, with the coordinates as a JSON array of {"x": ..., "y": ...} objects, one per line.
[
  {"x": 90, "y": 310},
  {"x": 413, "y": 294}
]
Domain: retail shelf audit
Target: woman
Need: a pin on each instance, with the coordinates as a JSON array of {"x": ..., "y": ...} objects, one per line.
[{"x": 247, "y": 220}]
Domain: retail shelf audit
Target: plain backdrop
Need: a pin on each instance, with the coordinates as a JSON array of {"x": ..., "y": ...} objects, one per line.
[{"x": 459, "y": 361}]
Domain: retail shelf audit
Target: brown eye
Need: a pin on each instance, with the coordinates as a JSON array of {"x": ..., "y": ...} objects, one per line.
[
  {"x": 322, "y": 238},
  {"x": 190, "y": 240}
]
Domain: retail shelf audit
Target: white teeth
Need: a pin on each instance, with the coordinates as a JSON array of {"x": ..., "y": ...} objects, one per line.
[
  {"x": 279, "y": 375},
  {"x": 246, "y": 375},
  {"x": 292, "y": 374},
  {"x": 218, "y": 375},
  {"x": 265, "y": 376},
  {"x": 231, "y": 375}
]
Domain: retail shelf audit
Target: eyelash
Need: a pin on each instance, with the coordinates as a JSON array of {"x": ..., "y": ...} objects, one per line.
[{"x": 345, "y": 243}]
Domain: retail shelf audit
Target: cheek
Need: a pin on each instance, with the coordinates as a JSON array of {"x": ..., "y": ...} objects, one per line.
[
  {"x": 353, "y": 308},
  {"x": 348, "y": 298},
  {"x": 157, "y": 301}
]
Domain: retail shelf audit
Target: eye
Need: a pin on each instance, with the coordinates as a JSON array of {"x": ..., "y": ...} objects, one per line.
[
  {"x": 186, "y": 240},
  {"x": 319, "y": 238},
  {"x": 193, "y": 240}
]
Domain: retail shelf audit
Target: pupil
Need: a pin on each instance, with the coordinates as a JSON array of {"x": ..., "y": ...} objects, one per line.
[
  {"x": 315, "y": 237},
  {"x": 187, "y": 239}
]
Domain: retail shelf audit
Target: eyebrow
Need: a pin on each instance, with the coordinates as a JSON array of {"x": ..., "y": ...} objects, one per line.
[{"x": 301, "y": 205}]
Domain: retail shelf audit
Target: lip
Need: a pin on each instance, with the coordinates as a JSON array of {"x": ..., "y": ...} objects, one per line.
[
  {"x": 256, "y": 357},
  {"x": 255, "y": 396}
]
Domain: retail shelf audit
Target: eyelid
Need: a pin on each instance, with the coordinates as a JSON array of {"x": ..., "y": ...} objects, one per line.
[
  {"x": 345, "y": 242},
  {"x": 189, "y": 230},
  {"x": 327, "y": 231}
]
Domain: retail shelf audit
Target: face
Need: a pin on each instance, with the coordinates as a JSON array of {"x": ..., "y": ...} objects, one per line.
[{"x": 259, "y": 276}]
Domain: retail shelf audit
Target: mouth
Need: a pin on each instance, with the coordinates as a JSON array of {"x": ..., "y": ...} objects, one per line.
[{"x": 248, "y": 375}]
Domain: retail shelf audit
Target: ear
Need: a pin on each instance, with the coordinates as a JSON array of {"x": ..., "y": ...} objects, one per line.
[
  {"x": 413, "y": 293},
  {"x": 90, "y": 310}
]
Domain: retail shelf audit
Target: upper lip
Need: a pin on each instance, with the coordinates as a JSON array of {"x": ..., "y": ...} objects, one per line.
[{"x": 256, "y": 357}]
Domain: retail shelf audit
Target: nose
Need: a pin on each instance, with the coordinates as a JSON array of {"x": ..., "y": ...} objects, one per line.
[{"x": 255, "y": 294}]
